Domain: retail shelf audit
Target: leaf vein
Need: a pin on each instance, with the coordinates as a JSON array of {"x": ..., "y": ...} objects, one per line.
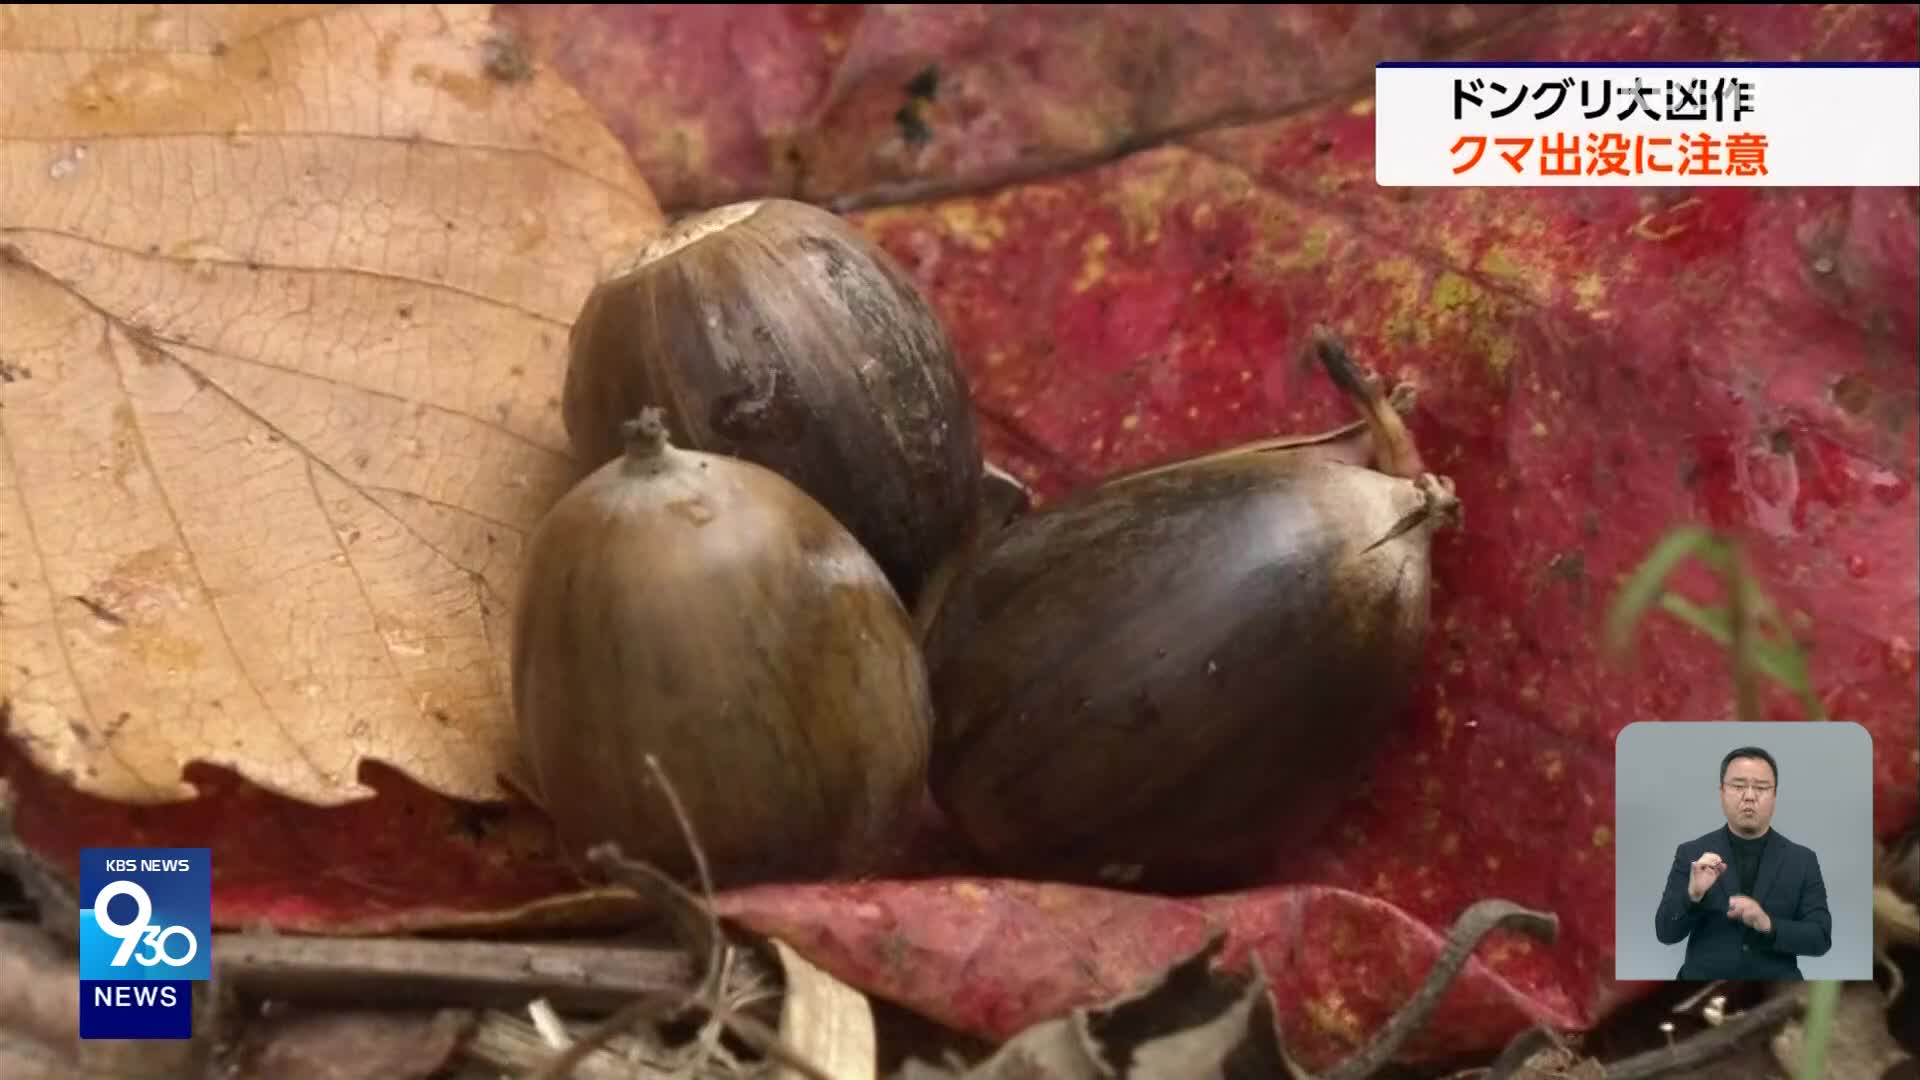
[
  {"x": 144, "y": 339},
  {"x": 59, "y": 626},
  {"x": 286, "y": 268},
  {"x": 259, "y": 32},
  {"x": 353, "y": 571},
  {"x": 180, "y": 533},
  {"x": 409, "y": 140},
  {"x": 441, "y": 504}
]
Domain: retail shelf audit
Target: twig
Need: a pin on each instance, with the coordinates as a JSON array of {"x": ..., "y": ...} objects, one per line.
[
  {"x": 766, "y": 1040},
  {"x": 700, "y": 927},
  {"x": 648, "y": 1008},
  {"x": 552, "y": 1030},
  {"x": 1709, "y": 1044},
  {"x": 590, "y": 978},
  {"x": 660, "y": 1006},
  {"x": 692, "y": 918},
  {"x": 1699, "y": 996},
  {"x": 511, "y": 1045},
  {"x": 1521, "y": 1049},
  {"x": 720, "y": 952},
  {"x": 717, "y": 950},
  {"x": 1473, "y": 925}
]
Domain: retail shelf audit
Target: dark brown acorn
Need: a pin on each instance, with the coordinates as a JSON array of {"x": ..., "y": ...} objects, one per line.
[
  {"x": 1168, "y": 678},
  {"x": 706, "y": 611},
  {"x": 776, "y": 332}
]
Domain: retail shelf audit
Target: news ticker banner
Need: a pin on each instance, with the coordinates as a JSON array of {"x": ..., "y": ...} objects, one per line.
[
  {"x": 1734, "y": 124},
  {"x": 146, "y": 925}
]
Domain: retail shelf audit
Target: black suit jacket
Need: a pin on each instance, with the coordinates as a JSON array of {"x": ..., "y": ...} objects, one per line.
[{"x": 1790, "y": 890}]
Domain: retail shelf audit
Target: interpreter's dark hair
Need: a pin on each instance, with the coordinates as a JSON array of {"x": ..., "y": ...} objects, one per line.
[{"x": 1749, "y": 752}]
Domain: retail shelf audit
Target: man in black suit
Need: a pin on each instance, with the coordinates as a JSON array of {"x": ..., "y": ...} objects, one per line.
[{"x": 1745, "y": 899}]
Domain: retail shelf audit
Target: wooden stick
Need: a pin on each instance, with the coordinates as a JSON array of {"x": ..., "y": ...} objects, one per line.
[
  {"x": 587, "y": 978},
  {"x": 1710, "y": 1044}
]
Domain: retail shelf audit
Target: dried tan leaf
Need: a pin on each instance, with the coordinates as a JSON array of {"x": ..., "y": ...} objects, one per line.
[
  {"x": 40, "y": 1019},
  {"x": 348, "y": 1044},
  {"x": 826, "y": 1022},
  {"x": 39, "y": 986},
  {"x": 286, "y": 295},
  {"x": 1193, "y": 1022},
  {"x": 1858, "y": 1044}
]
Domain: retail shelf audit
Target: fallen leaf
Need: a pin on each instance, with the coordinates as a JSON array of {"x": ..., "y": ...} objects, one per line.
[
  {"x": 1593, "y": 368},
  {"x": 994, "y": 957},
  {"x": 39, "y": 987},
  {"x": 1188, "y": 1023},
  {"x": 1858, "y": 1043},
  {"x": 287, "y": 300},
  {"x": 407, "y": 858},
  {"x": 347, "y": 1044},
  {"x": 825, "y": 1022},
  {"x": 40, "y": 1021},
  {"x": 856, "y": 103}
]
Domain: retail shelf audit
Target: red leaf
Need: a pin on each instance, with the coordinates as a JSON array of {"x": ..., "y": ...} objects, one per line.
[
  {"x": 405, "y": 859},
  {"x": 1339, "y": 963},
  {"x": 822, "y": 101},
  {"x": 1595, "y": 367}
]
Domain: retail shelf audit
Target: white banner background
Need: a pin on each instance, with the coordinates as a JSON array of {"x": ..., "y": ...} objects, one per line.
[{"x": 1856, "y": 126}]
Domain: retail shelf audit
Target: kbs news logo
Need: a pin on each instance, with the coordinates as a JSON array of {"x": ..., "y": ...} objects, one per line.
[{"x": 146, "y": 919}]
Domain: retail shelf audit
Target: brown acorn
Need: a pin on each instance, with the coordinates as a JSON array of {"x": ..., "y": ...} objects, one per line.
[
  {"x": 775, "y": 331},
  {"x": 1169, "y": 678},
  {"x": 706, "y": 611}
]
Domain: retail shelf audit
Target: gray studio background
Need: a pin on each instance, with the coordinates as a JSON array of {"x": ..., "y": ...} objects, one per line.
[{"x": 1666, "y": 790}]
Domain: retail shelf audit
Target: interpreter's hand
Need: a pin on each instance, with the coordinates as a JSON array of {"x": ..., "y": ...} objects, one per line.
[
  {"x": 1706, "y": 871},
  {"x": 1748, "y": 910}
]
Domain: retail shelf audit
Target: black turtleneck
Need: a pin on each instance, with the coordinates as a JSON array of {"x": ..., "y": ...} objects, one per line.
[{"x": 1746, "y": 858}]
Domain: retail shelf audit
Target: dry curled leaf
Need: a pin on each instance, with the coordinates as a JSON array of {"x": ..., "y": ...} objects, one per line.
[
  {"x": 349, "y": 1044},
  {"x": 1192, "y": 1021},
  {"x": 287, "y": 294},
  {"x": 1858, "y": 1043},
  {"x": 40, "y": 1020},
  {"x": 39, "y": 987},
  {"x": 824, "y": 1021}
]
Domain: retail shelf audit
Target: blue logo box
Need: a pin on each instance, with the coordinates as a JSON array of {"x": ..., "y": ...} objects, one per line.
[{"x": 146, "y": 931}]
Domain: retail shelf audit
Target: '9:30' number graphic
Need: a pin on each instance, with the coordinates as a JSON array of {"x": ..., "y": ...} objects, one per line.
[{"x": 140, "y": 929}]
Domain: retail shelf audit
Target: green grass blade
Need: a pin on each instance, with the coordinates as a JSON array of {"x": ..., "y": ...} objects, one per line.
[
  {"x": 1782, "y": 663},
  {"x": 1643, "y": 589},
  {"x": 1822, "y": 1000}
]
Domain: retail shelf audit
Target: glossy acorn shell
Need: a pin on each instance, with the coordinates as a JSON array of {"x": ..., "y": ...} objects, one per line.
[
  {"x": 777, "y": 332},
  {"x": 705, "y": 610},
  {"x": 1168, "y": 680}
]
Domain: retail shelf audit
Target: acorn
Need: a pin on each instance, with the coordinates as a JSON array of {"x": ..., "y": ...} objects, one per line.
[
  {"x": 775, "y": 331},
  {"x": 1168, "y": 678},
  {"x": 704, "y": 610}
]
